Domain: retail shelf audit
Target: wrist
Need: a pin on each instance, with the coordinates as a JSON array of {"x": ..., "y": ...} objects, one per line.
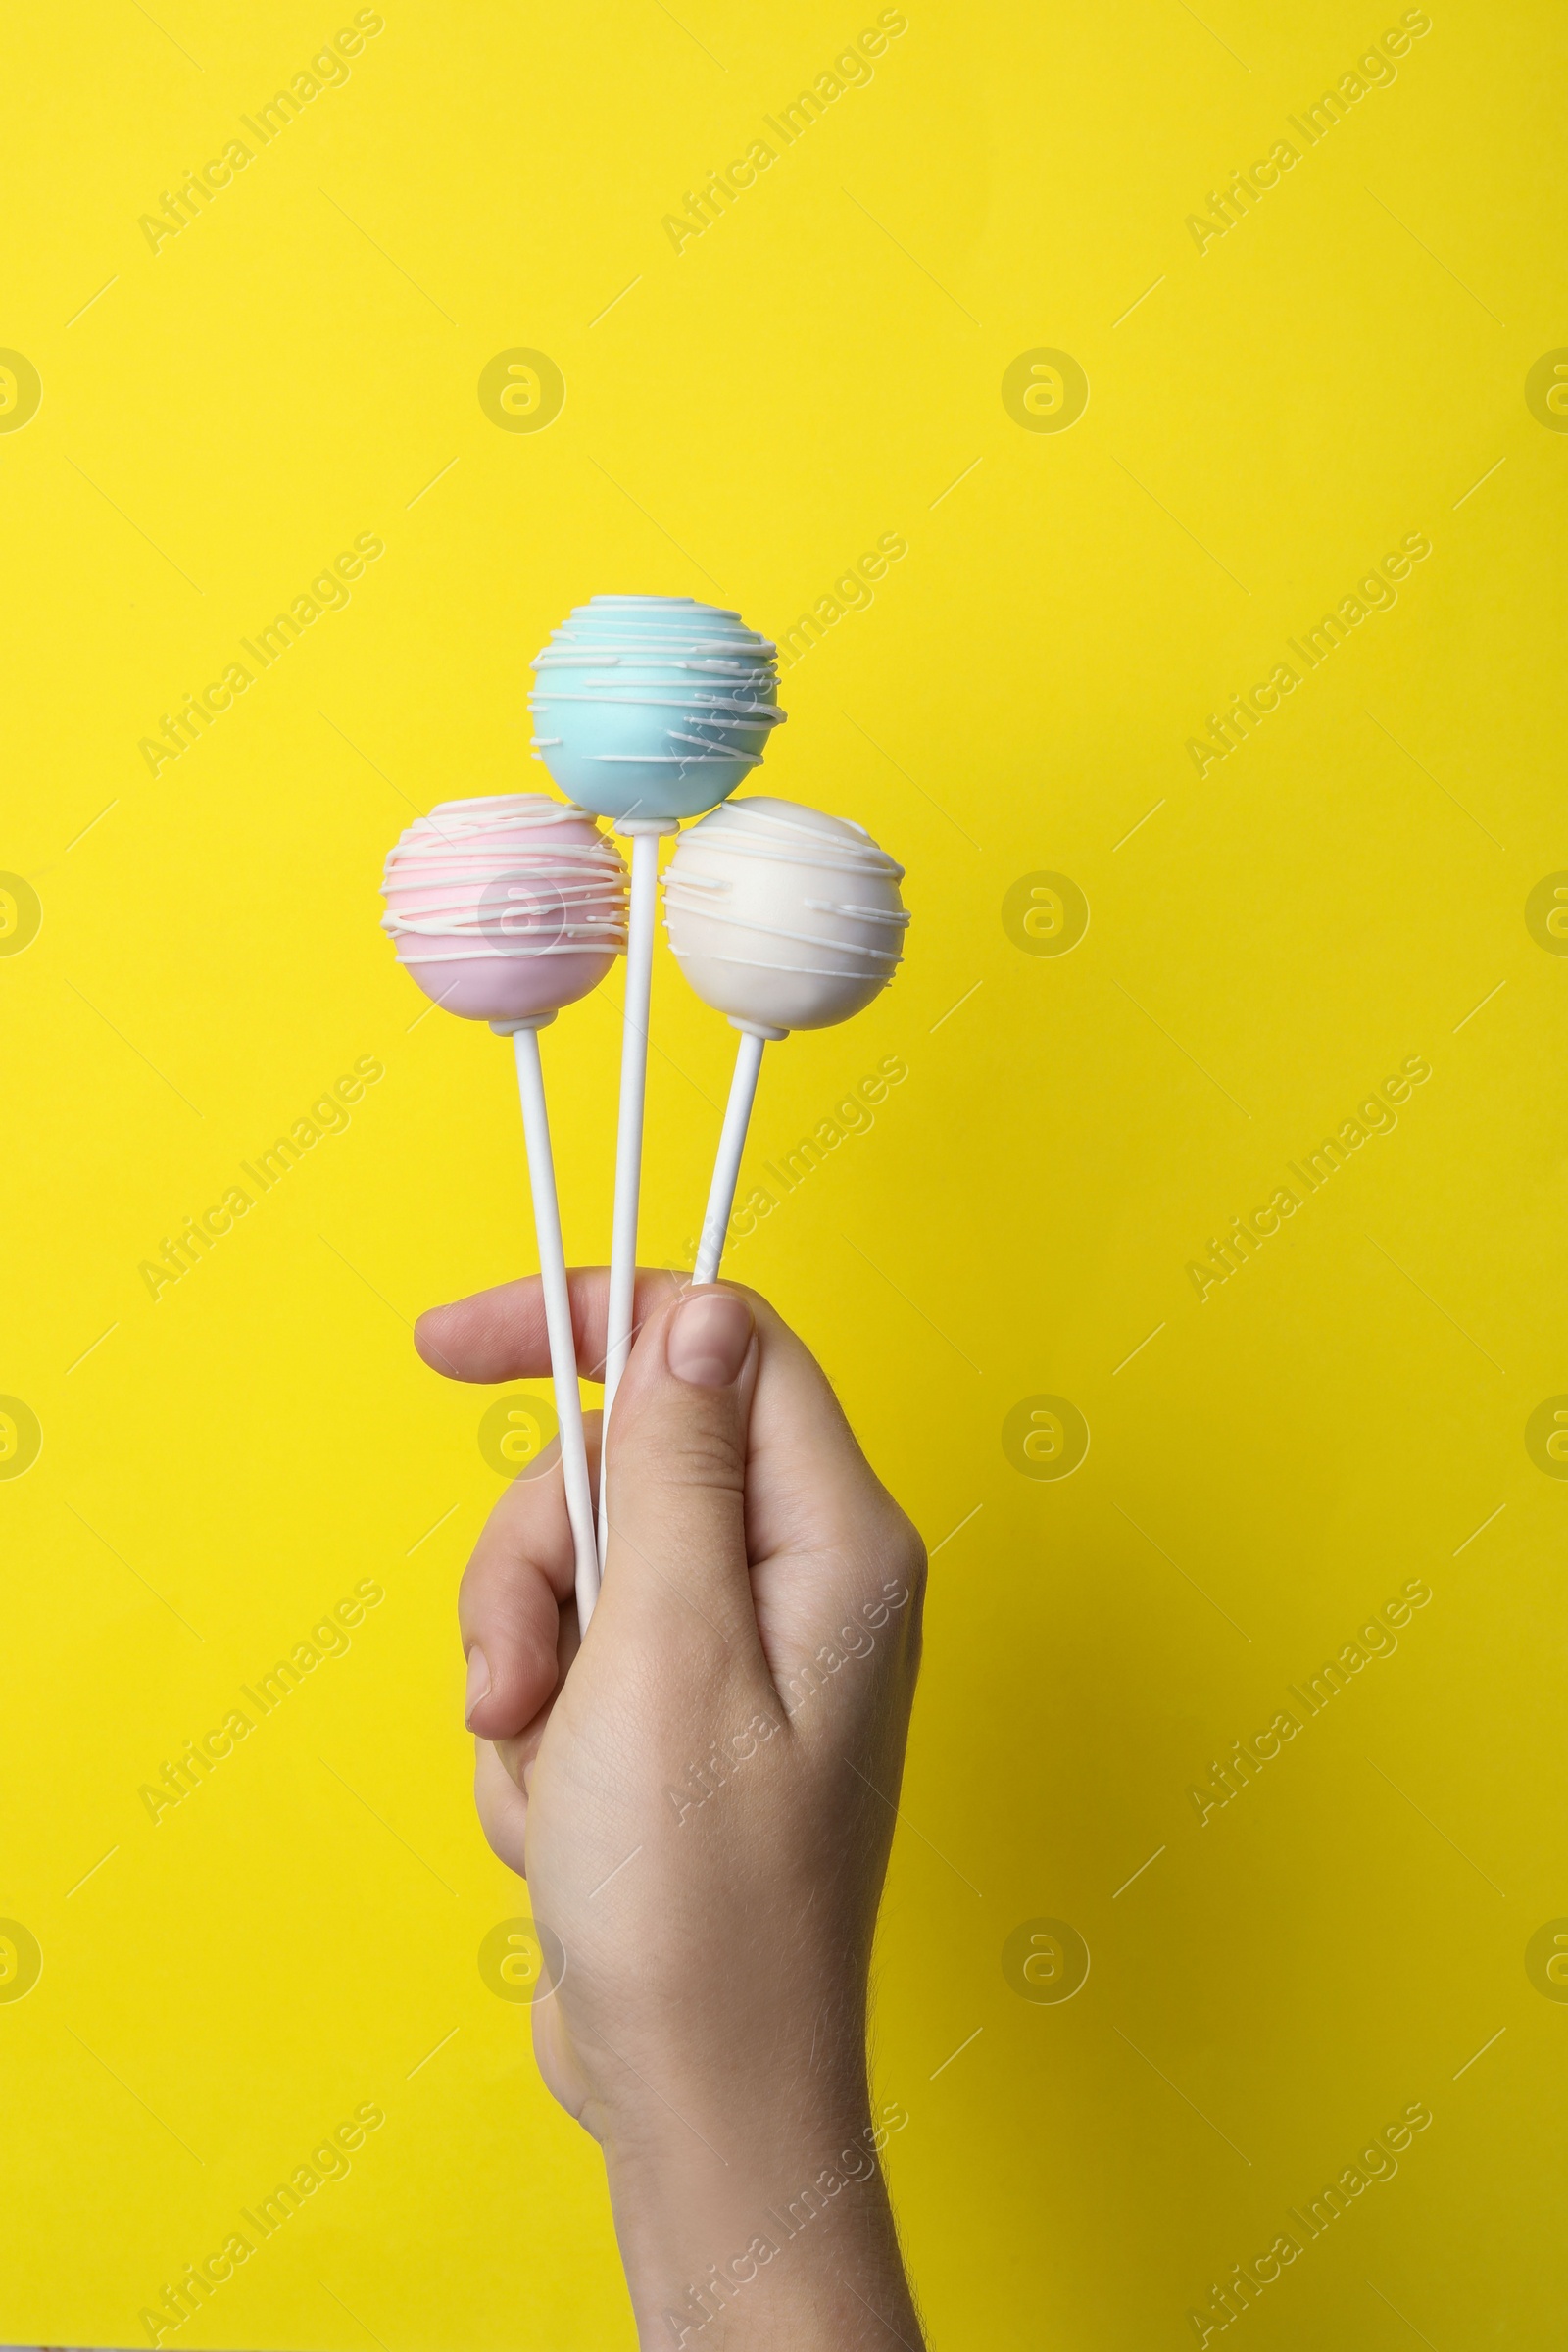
[{"x": 776, "y": 2232}]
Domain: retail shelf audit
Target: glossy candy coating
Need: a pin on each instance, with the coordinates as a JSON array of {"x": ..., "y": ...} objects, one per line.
[
  {"x": 505, "y": 909},
  {"x": 782, "y": 916},
  {"x": 652, "y": 706}
]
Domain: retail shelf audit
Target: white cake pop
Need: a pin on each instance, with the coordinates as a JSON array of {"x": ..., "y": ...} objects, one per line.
[{"x": 783, "y": 918}]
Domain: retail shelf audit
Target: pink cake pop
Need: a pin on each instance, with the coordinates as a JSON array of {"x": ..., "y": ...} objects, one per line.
[{"x": 505, "y": 909}]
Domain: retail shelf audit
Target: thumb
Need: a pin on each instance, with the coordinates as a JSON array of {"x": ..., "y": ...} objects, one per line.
[{"x": 676, "y": 1466}]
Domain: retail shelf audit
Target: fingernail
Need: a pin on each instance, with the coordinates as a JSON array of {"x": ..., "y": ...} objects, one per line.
[
  {"x": 707, "y": 1338},
  {"x": 478, "y": 1683}
]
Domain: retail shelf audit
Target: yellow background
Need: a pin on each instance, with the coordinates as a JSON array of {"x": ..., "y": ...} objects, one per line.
[{"x": 1266, "y": 419}]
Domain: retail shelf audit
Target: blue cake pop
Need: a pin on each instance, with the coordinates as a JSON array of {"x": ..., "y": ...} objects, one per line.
[{"x": 652, "y": 706}]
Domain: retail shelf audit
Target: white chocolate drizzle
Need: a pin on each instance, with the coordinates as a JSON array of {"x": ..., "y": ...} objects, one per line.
[
  {"x": 742, "y": 828},
  {"x": 481, "y": 879},
  {"x": 698, "y": 662}
]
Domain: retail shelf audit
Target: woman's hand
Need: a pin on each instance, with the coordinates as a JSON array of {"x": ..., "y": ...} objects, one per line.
[{"x": 702, "y": 1798}]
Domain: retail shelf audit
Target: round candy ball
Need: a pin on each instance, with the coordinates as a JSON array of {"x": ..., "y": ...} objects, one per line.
[
  {"x": 505, "y": 909},
  {"x": 784, "y": 917},
  {"x": 653, "y": 706}
]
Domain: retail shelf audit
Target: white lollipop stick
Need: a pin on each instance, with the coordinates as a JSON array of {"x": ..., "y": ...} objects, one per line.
[
  {"x": 558, "y": 1309},
  {"x": 783, "y": 918},
  {"x": 644, "y": 833},
  {"x": 505, "y": 909},
  {"x": 731, "y": 1145}
]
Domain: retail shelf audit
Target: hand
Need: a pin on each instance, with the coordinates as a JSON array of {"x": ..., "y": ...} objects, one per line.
[{"x": 701, "y": 1799}]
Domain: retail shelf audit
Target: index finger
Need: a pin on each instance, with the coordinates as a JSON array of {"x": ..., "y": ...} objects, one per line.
[{"x": 501, "y": 1333}]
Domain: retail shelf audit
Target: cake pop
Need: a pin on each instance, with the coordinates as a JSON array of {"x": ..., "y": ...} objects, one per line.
[
  {"x": 650, "y": 708},
  {"x": 505, "y": 909},
  {"x": 783, "y": 918},
  {"x": 653, "y": 706}
]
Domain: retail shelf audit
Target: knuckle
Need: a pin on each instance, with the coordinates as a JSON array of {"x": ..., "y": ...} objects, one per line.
[
  {"x": 705, "y": 1457},
  {"x": 692, "y": 1448},
  {"x": 902, "y": 1547}
]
